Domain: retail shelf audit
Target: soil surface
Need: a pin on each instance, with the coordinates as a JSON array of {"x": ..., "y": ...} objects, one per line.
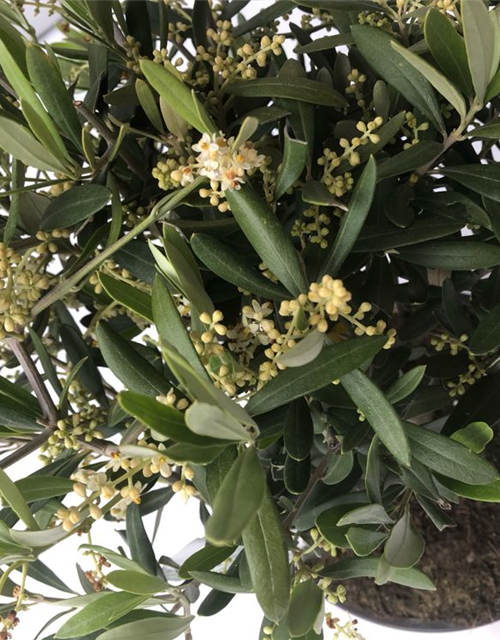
[{"x": 463, "y": 562}]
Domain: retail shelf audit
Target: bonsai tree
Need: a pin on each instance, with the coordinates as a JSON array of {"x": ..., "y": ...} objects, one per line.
[{"x": 254, "y": 265}]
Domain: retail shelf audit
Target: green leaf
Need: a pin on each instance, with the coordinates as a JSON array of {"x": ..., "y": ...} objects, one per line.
[
  {"x": 376, "y": 47},
  {"x": 326, "y": 43},
  {"x": 218, "y": 469},
  {"x": 451, "y": 459},
  {"x": 481, "y": 178},
  {"x": 204, "y": 560},
  {"x": 177, "y": 95},
  {"x": 136, "y": 582},
  {"x": 74, "y": 206},
  {"x": 226, "y": 264},
  {"x": 149, "y": 628},
  {"x": 237, "y": 500},
  {"x": 220, "y": 581},
  {"x": 99, "y": 614},
  {"x": 480, "y": 44},
  {"x": 128, "y": 366},
  {"x": 13, "y": 496},
  {"x": 138, "y": 541},
  {"x": 38, "y": 119},
  {"x": 405, "y": 545},
  {"x": 435, "y": 77},
  {"x": 363, "y": 541},
  {"x": 463, "y": 255},
  {"x": 347, "y": 5},
  {"x": 299, "y": 432},
  {"x": 382, "y": 238},
  {"x": 267, "y": 556},
  {"x": 306, "y": 350},
  {"x": 193, "y": 454},
  {"x": 170, "y": 326},
  {"x": 335, "y": 361},
  {"x": 162, "y": 419},
  {"x": 475, "y": 436},
  {"x": 353, "y": 220},
  {"x": 418, "y": 155},
  {"x": 379, "y": 412},
  {"x": 367, "y": 567},
  {"x": 208, "y": 420},
  {"x": 306, "y": 602},
  {"x": 128, "y": 296},
  {"x": 268, "y": 238},
  {"x": 296, "y": 474},
  {"x": 339, "y": 467},
  {"x": 490, "y": 131},
  {"x": 112, "y": 556},
  {"x": 48, "y": 83},
  {"x": 203, "y": 391},
  {"x": 36, "y": 488},
  {"x": 448, "y": 49},
  {"x": 481, "y": 492},
  {"x": 374, "y": 471},
  {"x": 296, "y": 88},
  {"x": 367, "y": 514},
  {"x": 148, "y": 103},
  {"x": 17, "y": 141},
  {"x": 292, "y": 166},
  {"x": 486, "y": 336},
  {"x": 263, "y": 17},
  {"x": 405, "y": 385}
]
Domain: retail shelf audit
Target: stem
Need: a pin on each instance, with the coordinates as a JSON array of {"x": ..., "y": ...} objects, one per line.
[
  {"x": 133, "y": 162},
  {"x": 315, "y": 478},
  {"x": 34, "y": 444},
  {"x": 35, "y": 380},
  {"x": 159, "y": 211},
  {"x": 20, "y": 597},
  {"x": 6, "y": 574}
]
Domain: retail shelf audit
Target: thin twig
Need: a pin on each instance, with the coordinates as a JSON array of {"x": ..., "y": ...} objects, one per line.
[
  {"x": 35, "y": 380},
  {"x": 34, "y": 444},
  {"x": 133, "y": 162},
  {"x": 315, "y": 478}
]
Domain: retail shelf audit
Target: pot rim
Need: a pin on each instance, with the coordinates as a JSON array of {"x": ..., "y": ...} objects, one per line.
[{"x": 412, "y": 624}]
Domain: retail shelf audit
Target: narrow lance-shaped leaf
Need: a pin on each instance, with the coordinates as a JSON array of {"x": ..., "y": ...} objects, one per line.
[
  {"x": 376, "y": 47},
  {"x": 49, "y": 85},
  {"x": 15, "y": 499},
  {"x": 127, "y": 295},
  {"x": 267, "y": 556},
  {"x": 75, "y": 205},
  {"x": 435, "y": 77},
  {"x": 98, "y": 614},
  {"x": 230, "y": 267},
  {"x": 301, "y": 89},
  {"x": 480, "y": 44},
  {"x": 176, "y": 94},
  {"x": 335, "y": 361},
  {"x": 268, "y": 237},
  {"x": 17, "y": 141},
  {"x": 405, "y": 545},
  {"x": 449, "y": 458},
  {"x": 293, "y": 163},
  {"x": 353, "y": 220},
  {"x": 169, "y": 325},
  {"x": 405, "y": 385},
  {"x": 448, "y": 49},
  {"x": 379, "y": 412},
  {"x": 486, "y": 336},
  {"x": 133, "y": 370},
  {"x": 237, "y": 500},
  {"x": 153, "y": 628},
  {"x": 464, "y": 255}
]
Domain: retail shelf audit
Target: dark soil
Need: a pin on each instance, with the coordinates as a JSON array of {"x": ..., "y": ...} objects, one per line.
[{"x": 464, "y": 564}]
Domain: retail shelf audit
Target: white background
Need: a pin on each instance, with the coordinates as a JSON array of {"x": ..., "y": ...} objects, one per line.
[{"x": 242, "y": 618}]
